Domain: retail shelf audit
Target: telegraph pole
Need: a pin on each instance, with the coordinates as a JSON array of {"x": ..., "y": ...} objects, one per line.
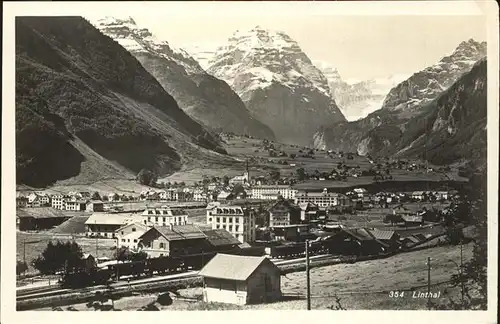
[
  {"x": 462, "y": 272},
  {"x": 24, "y": 250},
  {"x": 96, "y": 241},
  {"x": 308, "y": 277},
  {"x": 429, "y": 282}
]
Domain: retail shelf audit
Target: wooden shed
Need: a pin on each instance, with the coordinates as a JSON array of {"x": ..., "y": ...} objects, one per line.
[{"x": 241, "y": 280}]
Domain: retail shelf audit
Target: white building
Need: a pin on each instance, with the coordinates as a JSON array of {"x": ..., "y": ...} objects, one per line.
[
  {"x": 105, "y": 224},
  {"x": 58, "y": 202},
  {"x": 199, "y": 195},
  {"x": 240, "y": 179},
  {"x": 237, "y": 220},
  {"x": 241, "y": 280},
  {"x": 39, "y": 198},
  {"x": 361, "y": 192},
  {"x": 322, "y": 199},
  {"x": 167, "y": 194},
  {"x": 270, "y": 192},
  {"x": 128, "y": 235},
  {"x": 164, "y": 216},
  {"x": 210, "y": 210},
  {"x": 418, "y": 195},
  {"x": 79, "y": 205}
]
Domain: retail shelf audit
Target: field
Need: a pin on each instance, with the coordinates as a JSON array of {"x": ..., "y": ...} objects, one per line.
[
  {"x": 374, "y": 217},
  {"x": 198, "y": 217},
  {"x": 37, "y": 242},
  {"x": 363, "y": 285},
  {"x": 123, "y": 186},
  {"x": 260, "y": 163}
]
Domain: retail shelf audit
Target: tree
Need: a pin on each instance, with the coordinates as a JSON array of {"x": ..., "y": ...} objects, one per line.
[
  {"x": 96, "y": 196},
  {"x": 123, "y": 254},
  {"x": 274, "y": 175},
  {"x": 225, "y": 180},
  {"x": 473, "y": 275},
  {"x": 301, "y": 174},
  {"x": 147, "y": 177},
  {"x": 21, "y": 267},
  {"x": 59, "y": 256},
  {"x": 139, "y": 256}
]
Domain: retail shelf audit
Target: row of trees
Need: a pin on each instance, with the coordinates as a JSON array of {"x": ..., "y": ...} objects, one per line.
[
  {"x": 472, "y": 277},
  {"x": 59, "y": 256},
  {"x": 67, "y": 256}
]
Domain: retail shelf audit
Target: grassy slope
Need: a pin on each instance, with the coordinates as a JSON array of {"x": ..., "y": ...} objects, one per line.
[
  {"x": 87, "y": 88},
  {"x": 260, "y": 164}
]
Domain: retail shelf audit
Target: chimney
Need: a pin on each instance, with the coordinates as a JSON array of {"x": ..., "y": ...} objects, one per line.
[{"x": 171, "y": 226}]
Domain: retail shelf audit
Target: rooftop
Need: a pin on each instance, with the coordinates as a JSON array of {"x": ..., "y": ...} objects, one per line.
[
  {"x": 113, "y": 218},
  {"x": 180, "y": 232},
  {"x": 382, "y": 235},
  {"x": 45, "y": 212},
  {"x": 232, "y": 267},
  {"x": 218, "y": 237}
]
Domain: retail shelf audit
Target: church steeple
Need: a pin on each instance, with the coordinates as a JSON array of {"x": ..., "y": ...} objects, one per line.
[{"x": 247, "y": 172}]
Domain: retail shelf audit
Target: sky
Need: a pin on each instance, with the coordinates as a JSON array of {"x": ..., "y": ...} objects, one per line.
[
  {"x": 359, "y": 47},
  {"x": 362, "y": 42}
]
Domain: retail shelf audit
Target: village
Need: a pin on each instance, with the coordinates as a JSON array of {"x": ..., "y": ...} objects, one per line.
[{"x": 231, "y": 220}]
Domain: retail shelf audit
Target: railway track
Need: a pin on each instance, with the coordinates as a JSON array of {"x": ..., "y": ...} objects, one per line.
[
  {"x": 44, "y": 292},
  {"x": 58, "y": 291}
]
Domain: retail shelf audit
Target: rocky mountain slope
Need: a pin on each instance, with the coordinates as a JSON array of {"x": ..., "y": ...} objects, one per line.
[
  {"x": 87, "y": 109},
  {"x": 357, "y": 99},
  {"x": 203, "y": 97},
  {"x": 379, "y": 132},
  {"x": 452, "y": 127},
  {"x": 424, "y": 86},
  {"x": 277, "y": 82},
  {"x": 202, "y": 53}
]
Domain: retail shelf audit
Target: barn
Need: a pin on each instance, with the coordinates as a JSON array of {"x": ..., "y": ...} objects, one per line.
[
  {"x": 41, "y": 218},
  {"x": 241, "y": 280}
]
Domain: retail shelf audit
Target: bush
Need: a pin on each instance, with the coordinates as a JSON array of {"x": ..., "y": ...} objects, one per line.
[
  {"x": 147, "y": 177},
  {"x": 21, "y": 267},
  {"x": 59, "y": 256},
  {"x": 164, "y": 299}
]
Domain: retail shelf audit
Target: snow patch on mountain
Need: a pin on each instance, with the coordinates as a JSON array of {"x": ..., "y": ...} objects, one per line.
[
  {"x": 135, "y": 39},
  {"x": 277, "y": 81},
  {"x": 246, "y": 52},
  {"x": 358, "y": 98},
  {"x": 424, "y": 86}
]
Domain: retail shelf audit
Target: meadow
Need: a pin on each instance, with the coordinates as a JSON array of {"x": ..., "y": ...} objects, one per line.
[
  {"x": 261, "y": 163},
  {"x": 30, "y": 245}
]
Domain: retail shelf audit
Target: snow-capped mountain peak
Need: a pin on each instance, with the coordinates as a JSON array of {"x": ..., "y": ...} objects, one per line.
[
  {"x": 140, "y": 40},
  {"x": 262, "y": 65},
  {"x": 269, "y": 56},
  {"x": 358, "y": 98}
]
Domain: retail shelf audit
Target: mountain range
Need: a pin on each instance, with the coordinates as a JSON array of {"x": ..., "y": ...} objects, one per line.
[
  {"x": 87, "y": 109},
  {"x": 356, "y": 99},
  {"x": 95, "y": 103},
  {"x": 388, "y": 130},
  {"x": 205, "y": 98},
  {"x": 278, "y": 83}
]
